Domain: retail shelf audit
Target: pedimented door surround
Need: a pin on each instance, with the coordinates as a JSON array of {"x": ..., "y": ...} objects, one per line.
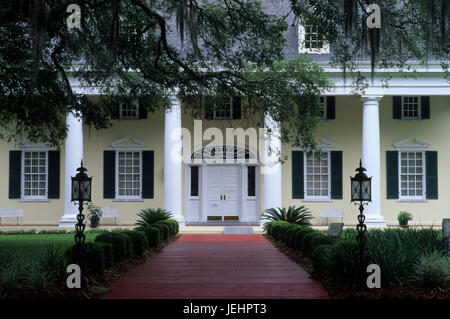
[{"x": 218, "y": 189}]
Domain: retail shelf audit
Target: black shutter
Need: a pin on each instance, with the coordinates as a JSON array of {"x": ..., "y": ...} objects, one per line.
[
  {"x": 209, "y": 107},
  {"x": 115, "y": 110},
  {"x": 397, "y": 107},
  {"x": 297, "y": 175},
  {"x": 431, "y": 172},
  {"x": 15, "y": 168},
  {"x": 336, "y": 174},
  {"x": 237, "y": 108},
  {"x": 392, "y": 174},
  {"x": 142, "y": 109},
  {"x": 331, "y": 107},
  {"x": 147, "y": 174},
  {"x": 425, "y": 103},
  {"x": 53, "y": 174},
  {"x": 109, "y": 174}
]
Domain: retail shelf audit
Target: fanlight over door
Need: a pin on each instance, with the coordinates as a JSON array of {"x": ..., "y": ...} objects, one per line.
[{"x": 223, "y": 152}]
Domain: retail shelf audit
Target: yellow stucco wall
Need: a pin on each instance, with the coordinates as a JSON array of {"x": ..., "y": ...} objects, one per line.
[
  {"x": 345, "y": 131},
  {"x": 35, "y": 213}
]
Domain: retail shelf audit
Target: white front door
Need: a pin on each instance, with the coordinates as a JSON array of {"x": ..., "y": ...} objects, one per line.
[{"x": 223, "y": 191}]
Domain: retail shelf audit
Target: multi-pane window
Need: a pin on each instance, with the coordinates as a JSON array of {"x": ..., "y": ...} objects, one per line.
[
  {"x": 412, "y": 174},
  {"x": 34, "y": 174},
  {"x": 129, "y": 110},
  {"x": 410, "y": 107},
  {"x": 129, "y": 174},
  {"x": 311, "y": 39},
  {"x": 317, "y": 175},
  {"x": 223, "y": 108}
]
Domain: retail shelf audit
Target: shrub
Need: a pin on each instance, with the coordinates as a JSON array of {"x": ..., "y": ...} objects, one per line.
[
  {"x": 277, "y": 227},
  {"x": 151, "y": 216},
  {"x": 291, "y": 237},
  {"x": 395, "y": 251},
  {"x": 170, "y": 225},
  {"x": 139, "y": 240},
  {"x": 341, "y": 262},
  {"x": 121, "y": 244},
  {"x": 164, "y": 230},
  {"x": 298, "y": 237},
  {"x": 432, "y": 271},
  {"x": 108, "y": 253},
  {"x": 287, "y": 233},
  {"x": 10, "y": 277},
  {"x": 153, "y": 235},
  {"x": 94, "y": 256},
  {"x": 349, "y": 233},
  {"x": 320, "y": 257},
  {"x": 307, "y": 239},
  {"x": 320, "y": 239},
  {"x": 37, "y": 277},
  {"x": 54, "y": 261},
  {"x": 294, "y": 215}
]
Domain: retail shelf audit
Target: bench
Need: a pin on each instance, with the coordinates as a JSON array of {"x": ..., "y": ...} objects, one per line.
[
  {"x": 115, "y": 213},
  {"x": 331, "y": 213},
  {"x": 11, "y": 213}
]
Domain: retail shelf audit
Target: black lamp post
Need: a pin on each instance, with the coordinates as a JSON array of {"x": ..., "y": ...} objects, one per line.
[
  {"x": 81, "y": 193},
  {"x": 361, "y": 193}
]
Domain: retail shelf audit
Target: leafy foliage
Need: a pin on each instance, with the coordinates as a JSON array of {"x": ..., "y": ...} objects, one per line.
[
  {"x": 129, "y": 49},
  {"x": 410, "y": 31},
  {"x": 151, "y": 216},
  {"x": 294, "y": 215},
  {"x": 432, "y": 271}
]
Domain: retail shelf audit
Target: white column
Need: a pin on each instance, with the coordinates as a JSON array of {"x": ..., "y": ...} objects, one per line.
[
  {"x": 271, "y": 166},
  {"x": 73, "y": 156},
  {"x": 371, "y": 158},
  {"x": 173, "y": 178}
]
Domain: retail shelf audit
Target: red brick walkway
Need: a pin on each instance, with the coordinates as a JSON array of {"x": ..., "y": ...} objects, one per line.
[{"x": 218, "y": 266}]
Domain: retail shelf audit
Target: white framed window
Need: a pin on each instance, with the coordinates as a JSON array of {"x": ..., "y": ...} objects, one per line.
[
  {"x": 311, "y": 40},
  {"x": 411, "y": 107},
  {"x": 129, "y": 175},
  {"x": 223, "y": 109},
  {"x": 317, "y": 176},
  {"x": 34, "y": 174},
  {"x": 412, "y": 175},
  {"x": 129, "y": 110}
]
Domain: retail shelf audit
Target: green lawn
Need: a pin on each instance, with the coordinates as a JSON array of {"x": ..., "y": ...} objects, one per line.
[{"x": 31, "y": 247}]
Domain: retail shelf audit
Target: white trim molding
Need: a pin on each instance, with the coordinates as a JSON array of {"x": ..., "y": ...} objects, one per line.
[
  {"x": 120, "y": 145},
  {"x": 404, "y": 146}
]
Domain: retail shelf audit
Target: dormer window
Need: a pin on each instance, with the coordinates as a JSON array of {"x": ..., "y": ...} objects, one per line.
[
  {"x": 411, "y": 107},
  {"x": 311, "y": 39},
  {"x": 129, "y": 110}
]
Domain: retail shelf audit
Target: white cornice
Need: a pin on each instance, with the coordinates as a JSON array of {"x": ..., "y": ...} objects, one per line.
[
  {"x": 121, "y": 145},
  {"x": 403, "y": 145}
]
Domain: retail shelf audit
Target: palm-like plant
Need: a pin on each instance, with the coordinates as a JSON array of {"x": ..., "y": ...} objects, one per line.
[
  {"x": 150, "y": 216},
  {"x": 294, "y": 215}
]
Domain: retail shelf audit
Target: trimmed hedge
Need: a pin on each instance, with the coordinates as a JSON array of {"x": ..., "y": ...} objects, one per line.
[
  {"x": 164, "y": 228},
  {"x": 122, "y": 244},
  {"x": 171, "y": 224},
  {"x": 139, "y": 241},
  {"x": 153, "y": 234},
  {"x": 320, "y": 257},
  {"x": 342, "y": 260},
  {"x": 108, "y": 253},
  {"x": 321, "y": 239},
  {"x": 306, "y": 240},
  {"x": 94, "y": 257}
]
